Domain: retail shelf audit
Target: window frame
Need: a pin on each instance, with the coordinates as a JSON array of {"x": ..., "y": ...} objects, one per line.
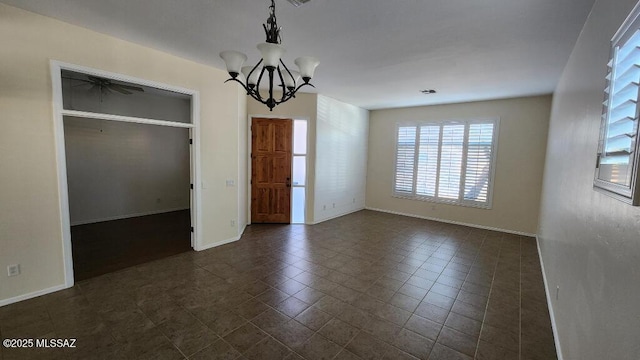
[
  {"x": 628, "y": 194},
  {"x": 460, "y": 201}
]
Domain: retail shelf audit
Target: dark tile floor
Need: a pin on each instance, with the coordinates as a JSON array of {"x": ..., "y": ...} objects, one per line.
[{"x": 364, "y": 286}]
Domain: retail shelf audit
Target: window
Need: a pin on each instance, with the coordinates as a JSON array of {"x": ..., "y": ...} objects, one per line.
[
  {"x": 449, "y": 161},
  {"x": 617, "y": 161},
  {"x": 299, "y": 171}
]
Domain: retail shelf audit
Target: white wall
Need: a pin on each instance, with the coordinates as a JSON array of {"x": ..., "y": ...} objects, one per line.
[
  {"x": 342, "y": 132},
  {"x": 117, "y": 170},
  {"x": 519, "y": 162},
  {"x": 30, "y": 225},
  {"x": 590, "y": 242}
]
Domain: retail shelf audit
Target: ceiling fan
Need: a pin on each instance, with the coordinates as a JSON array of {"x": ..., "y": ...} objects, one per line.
[{"x": 106, "y": 85}]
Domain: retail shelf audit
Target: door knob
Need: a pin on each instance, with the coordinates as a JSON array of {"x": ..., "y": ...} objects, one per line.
[{"x": 288, "y": 182}]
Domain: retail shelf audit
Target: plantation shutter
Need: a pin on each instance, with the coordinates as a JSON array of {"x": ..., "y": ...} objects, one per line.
[
  {"x": 451, "y": 161},
  {"x": 478, "y": 165},
  {"x": 405, "y": 159},
  {"x": 617, "y": 150},
  {"x": 621, "y": 112},
  {"x": 426, "y": 181}
]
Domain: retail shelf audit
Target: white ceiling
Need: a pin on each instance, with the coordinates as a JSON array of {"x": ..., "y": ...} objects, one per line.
[{"x": 373, "y": 53}]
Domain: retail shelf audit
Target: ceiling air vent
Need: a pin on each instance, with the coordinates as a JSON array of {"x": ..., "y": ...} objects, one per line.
[{"x": 297, "y": 3}]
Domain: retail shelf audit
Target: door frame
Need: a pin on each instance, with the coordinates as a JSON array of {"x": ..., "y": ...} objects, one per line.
[
  {"x": 249, "y": 168},
  {"x": 61, "y": 168}
]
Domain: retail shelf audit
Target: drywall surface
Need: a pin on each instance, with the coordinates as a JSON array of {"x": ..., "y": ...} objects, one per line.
[
  {"x": 30, "y": 225},
  {"x": 519, "y": 162},
  {"x": 590, "y": 242},
  {"x": 302, "y": 107},
  {"x": 117, "y": 170},
  {"x": 342, "y": 131}
]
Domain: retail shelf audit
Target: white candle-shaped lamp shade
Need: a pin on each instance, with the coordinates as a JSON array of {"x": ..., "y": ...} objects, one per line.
[
  {"x": 290, "y": 80},
  {"x": 307, "y": 66},
  {"x": 234, "y": 61},
  {"x": 271, "y": 54},
  {"x": 253, "y": 79}
]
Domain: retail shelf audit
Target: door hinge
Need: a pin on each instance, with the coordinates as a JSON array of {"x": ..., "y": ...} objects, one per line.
[
  {"x": 190, "y": 141},
  {"x": 192, "y": 229},
  {"x": 191, "y": 186}
]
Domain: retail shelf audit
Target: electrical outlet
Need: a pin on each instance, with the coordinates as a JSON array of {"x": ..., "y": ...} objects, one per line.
[
  {"x": 13, "y": 270},
  {"x": 354, "y": 200},
  {"x": 233, "y": 223},
  {"x": 231, "y": 182}
]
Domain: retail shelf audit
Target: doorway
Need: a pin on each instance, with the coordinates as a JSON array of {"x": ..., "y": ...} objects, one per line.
[
  {"x": 278, "y": 184},
  {"x": 271, "y": 150},
  {"x": 129, "y": 193},
  {"x": 131, "y": 145}
]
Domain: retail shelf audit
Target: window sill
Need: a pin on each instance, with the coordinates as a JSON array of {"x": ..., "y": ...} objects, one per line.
[{"x": 444, "y": 202}]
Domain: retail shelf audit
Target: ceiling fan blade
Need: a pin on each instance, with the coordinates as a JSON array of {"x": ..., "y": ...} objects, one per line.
[
  {"x": 129, "y": 87},
  {"x": 119, "y": 89},
  {"x": 95, "y": 79},
  {"x": 75, "y": 79}
]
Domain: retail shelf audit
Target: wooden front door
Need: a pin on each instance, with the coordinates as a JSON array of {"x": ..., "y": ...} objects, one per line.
[{"x": 271, "y": 146}]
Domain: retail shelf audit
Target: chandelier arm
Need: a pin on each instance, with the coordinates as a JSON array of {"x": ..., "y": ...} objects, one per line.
[
  {"x": 292, "y": 93},
  {"x": 286, "y": 68},
  {"x": 284, "y": 88},
  {"x": 305, "y": 84},
  {"x": 257, "y": 87},
  {"x": 252, "y": 70},
  {"x": 282, "y": 84},
  {"x": 257, "y": 98},
  {"x": 239, "y": 82},
  {"x": 252, "y": 93}
]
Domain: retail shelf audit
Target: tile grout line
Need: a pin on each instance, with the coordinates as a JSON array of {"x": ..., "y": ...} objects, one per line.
[
  {"x": 495, "y": 269},
  {"x": 449, "y": 312}
]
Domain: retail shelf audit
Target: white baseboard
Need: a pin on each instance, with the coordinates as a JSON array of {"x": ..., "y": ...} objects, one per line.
[
  {"x": 552, "y": 315},
  {"x": 223, "y": 242},
  {"x": 120, "y": 217},
  {"x": 337, "y": 216},
  {"x": 452, "y": 222},
  {"x": 32, "y": 295}
]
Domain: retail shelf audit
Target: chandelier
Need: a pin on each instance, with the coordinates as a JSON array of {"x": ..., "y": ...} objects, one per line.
[{"x": 271, "y": 66}]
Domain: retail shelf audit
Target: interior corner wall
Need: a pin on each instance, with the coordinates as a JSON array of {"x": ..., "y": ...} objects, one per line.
[
  {"x": 589, "y": 242},
  {"x": 342, "y": 132},
  {"x": 518, "y": 172},
  {"x": 304, "y": 107},
  {"x": 30, "y": 218},
  {"x": 243, "y": 166}
]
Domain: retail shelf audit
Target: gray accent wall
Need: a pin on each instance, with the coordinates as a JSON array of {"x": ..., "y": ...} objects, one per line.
[
  {"x": 117, "y": 170},
  {"x": 590, "y": 242}
]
